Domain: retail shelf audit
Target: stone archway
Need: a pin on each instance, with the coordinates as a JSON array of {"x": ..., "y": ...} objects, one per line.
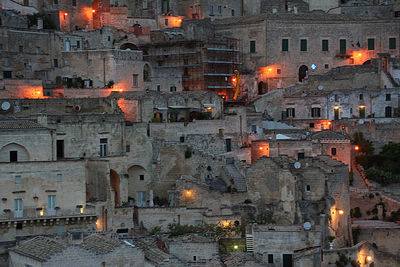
[
  {"x": 303, "y": 73},
  {"x": 115, "y": 186},
  {"x": 137, "y": 185},
  {"x": 13, "y": 151},
  {"x": 128, "y": 46}
]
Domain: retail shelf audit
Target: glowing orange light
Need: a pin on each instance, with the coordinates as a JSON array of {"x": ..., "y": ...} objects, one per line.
[
  {"x": 93, "y": 10},
  {"x": 121, "y": 90},
  {"x": 356, "y": 148},
  {"x": 260, "y": 148},
  {"x": 369, "y": 258},
  {"x": 234, "y": 79},
  {"x": 188, "y": 193},
  {"x": 179, "y": 20},
  {"x": 341, "y": 212},
  {"x": 359, "y": 54},
  {"x": 329, "y": 123},
  {"x": 66, "y": 14},
  {"x": 269, "y": 69},
  {"x": 38, "y": 92}
]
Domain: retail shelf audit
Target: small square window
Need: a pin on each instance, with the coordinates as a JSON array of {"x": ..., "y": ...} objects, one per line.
[
  {"x": 308, "y": 188},
  {"x": 388, "y": 97},
  {"x": 326, "y": 66},
  {"x": 300, "y": 155},
  {"x": 18, "y": 179},
  {"x": 141, "y": 177},
  {"x": 312, "y": 125},
  {"x": 278, "y": 71}
]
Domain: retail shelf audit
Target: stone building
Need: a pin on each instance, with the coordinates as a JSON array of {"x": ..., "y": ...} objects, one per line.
[{"x": 287, "y": 48}]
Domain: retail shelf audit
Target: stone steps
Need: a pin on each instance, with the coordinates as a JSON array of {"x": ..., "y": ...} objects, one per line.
[{"x": 239, "y": 181}]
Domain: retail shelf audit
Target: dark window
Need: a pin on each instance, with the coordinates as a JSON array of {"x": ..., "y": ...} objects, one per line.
[
  {"x": 56, "y": 2},
  {"x": 300, "y": 155},
  {"x": 361, "y": 111},
  {"x": 73, "y": 2},
  {"x": 60, "y": 149},
  {"x": 7, "y": 74},
  {"x": 182, "y": 139},
  {"x": 397, "y": 14},
  {"x": 392, "y": 43},
  {"x": 388, "y": 112},
  {"x": 285, "y": 45},
  {"x": 312, "y": 125},
  {"x": 1, "y": 46},
  {"x": 325, "y": 45},
  {"x": 13, "y": 156},
  {"x": 172, "y": 88},
  {"x": 252, "y": 46},
  {"x": 19, "y": 226},
  {"x": 308, "y": 188},
  {"x": 326, "y": 66},
  {"x": 342, "y": 45},
  {"x": 103, "y": 147},
  {"x": 278, "y": 71},
  {"x": 194, "y": 258},
  {"x": 128, "y": 148},
  {"x": 233, "y": 12},
  {"x": 21, "y": 48},
  {"x": 270, "y": 258},
  {"x": 228, "y": 145},
  {"x": 287, "y": 260},
  {"x": 316, "y": 112},
  {"x": 158, "y": 88},
  {"x": 371, "y": 44},
  {"x": 141, "y": 177},
  {"x": 78, "y": 44},
  {"x": 290, "y": 113},
  {"x": 303, "y": 45},
  {"x": 388, "y": 97},
  {"x": 55, "y": 61},
  {"x": 219, "y": 10},
  {"x": 333, "y": 151},
  {"x": 361, "y": 96}
]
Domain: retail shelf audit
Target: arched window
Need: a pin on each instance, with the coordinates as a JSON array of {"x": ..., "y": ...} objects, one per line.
[{"x": 303, "y": 73}]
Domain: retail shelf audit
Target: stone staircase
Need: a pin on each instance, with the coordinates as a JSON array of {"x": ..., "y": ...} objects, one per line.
[
  {"x": 249, "y": 243},
  {"x": 239, "y": 180},
  {"x": 253, "y": 117}
]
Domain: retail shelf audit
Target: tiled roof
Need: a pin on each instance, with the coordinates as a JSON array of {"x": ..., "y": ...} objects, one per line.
[
  {"x": 100, "y": 244},
  {"x": 151, "y": 253},
  {"x": 40, "y": 248},
  {"x": 20, "y": 124}
]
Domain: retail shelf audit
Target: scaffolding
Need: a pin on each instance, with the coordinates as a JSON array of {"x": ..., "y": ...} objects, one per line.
[{"x": 206, "y": 64}]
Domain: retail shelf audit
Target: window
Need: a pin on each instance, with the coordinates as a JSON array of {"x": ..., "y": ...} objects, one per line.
[
  {"x": 29, "y": 68},
  {"x": 144, "y": 4},
  {"x": 270, "y": 258},
  {"x": 371, "y": 44},
  {"x": 18, "y": 208},
  {"x": 278, "y": 71},
  {"x": 312, "y": 125},
  {"x": 141, "y": 177},
  {"x": 59, "y": 177},
  {"x": 252, "y": 46},
  {"x": 90, "y": 62},
  {"x": 6, "y": 62},
  {"x": 7, "y": 74},
  {"x": 233, "y": 12},
  {"x": 325, "y": 45},
  {"x": 198, "y": 222},
  {"x": 128, "y": 148},
  {"x": 172, "y": 89},
  {"x": 78, "y": 44},
  {"x": 388, "y": 112},
  {"x": 303, "y": 45},
  {"x": 361, "y": 111},
  {"x": 285, "y": 45},
  {"x": 56, "y": 2},
  {"x": 73, "y": 2},
  {"x": 219, "y": 10},
  {"x": 18, "y": 179},
  {"x": 166, "y": 22},
  {"x": 60, "y": 149},
  {"x": 336, "y": 113},
  {"x": 182, "y": 139},
  {"x": 141, "y": 199},
  {"x": 21, "y": 48},
  {"x": 333, "y": 151},
  {"x": 55, "y": 61},
  {"x": 342, "y": 46},
  {"x": 13, "y": 156},
  {"x": 103, "y": 147},
  {"x": 388, "y": 97},
  {"x": 308, "y": 188},
  {"x": 51, "y": 202},
  {"x": 326, "y": 66},
  {"x": 37, "y": 50},
  {"x": 361, "y": 97},
  {"x": 392, "y": 43},
  {"x": 300, "y": 155},
  {"x": 336, "y": 98},
  {"x": 290, "y": 113},
  {"x": 194, "y": 258},
  {"x": 135, "y": 80},
  {"x": 228, "y": 143},
  {"x": 211, "y": 11},
  {"x": 316, "y": 112},
  {"x": 109, "y": 38},
  {"x": 158, "y": 88}
]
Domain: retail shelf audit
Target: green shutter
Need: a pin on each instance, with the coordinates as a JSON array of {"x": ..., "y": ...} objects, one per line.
[
  {"x": 343, "y": 46},
  {"x": 252, "y": 46},
  {"x": 392, "y": 43},
  {"x": 371, "y": 44},
  {"x": 285, "y": 45},
  {"x": 303, "y": 45},
  {"x": 325, "y": 45}
]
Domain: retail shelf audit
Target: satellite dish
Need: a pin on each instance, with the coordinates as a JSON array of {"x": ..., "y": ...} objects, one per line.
[
  {"x": 307, "y": 226},
  {"x": 297, "y": 165},
  {"x": 320, "y": 87},
  {"x": 5, "y": 105}
]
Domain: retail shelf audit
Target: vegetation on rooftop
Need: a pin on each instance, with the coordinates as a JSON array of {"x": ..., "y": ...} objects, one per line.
[{"x": 214, "y": 231}]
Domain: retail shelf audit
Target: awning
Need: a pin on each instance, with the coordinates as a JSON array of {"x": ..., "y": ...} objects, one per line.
[
  {"x": 158, "y": 108},
  {"x": 282, "y": 137},
  {"x": 178, "y": 107},
  {"x": 209, "y": 105}
]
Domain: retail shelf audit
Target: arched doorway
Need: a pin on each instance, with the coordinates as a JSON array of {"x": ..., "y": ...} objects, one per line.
[
  {"x": 128, "y": 46},
  {"x": 114, "y": 183},
  {"x": 303, "y": 73},
  {"x": 262, "y": 88},
  {"x": 137, "y": 185}
]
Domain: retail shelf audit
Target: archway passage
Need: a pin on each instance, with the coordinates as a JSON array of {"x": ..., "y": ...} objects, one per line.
[
  {"x": 303, "y": 73},
  {"x": 129, "y": 46},
  {"x": 114, "y": 183}
]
